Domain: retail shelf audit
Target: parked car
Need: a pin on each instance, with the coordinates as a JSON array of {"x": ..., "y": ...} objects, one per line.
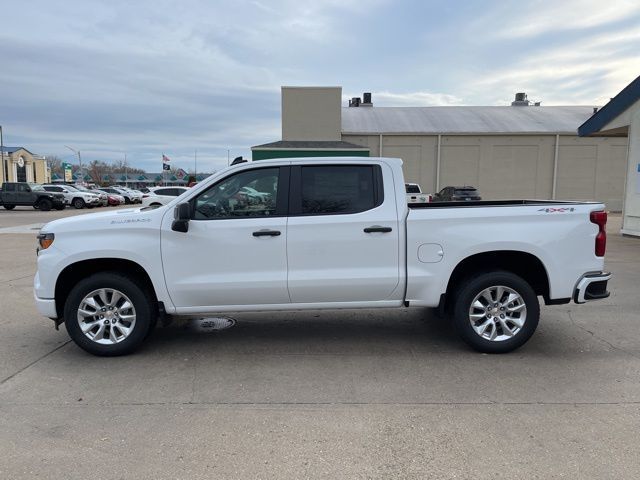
[
  {"x": 101, "y": 195},
  {"x": 15, "y": 194},
  {"x": 129, "y": 197},
  {"x": 74, "y": 197},
  {"x": 457, "y": 194},
  {"x": 158, "y": 196},
  {"x": 334, "y": 233},
  {"x": 415, "y": 195},
  {"x": 113, "y": 199},
  {"x": 135, "y": 195}
]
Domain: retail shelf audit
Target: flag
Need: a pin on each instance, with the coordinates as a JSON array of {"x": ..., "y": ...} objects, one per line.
[
  {"x": 165, "y": 159},
  {"x": 166, "y": 166}
]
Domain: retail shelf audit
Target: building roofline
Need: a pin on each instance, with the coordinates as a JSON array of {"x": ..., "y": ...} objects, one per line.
[
  {"x": 617, "y": 105},
  {"x": 466, "y": 134}
]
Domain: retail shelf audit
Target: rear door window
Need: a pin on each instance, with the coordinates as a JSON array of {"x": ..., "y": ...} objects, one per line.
[{"x": 338, "y": 189}]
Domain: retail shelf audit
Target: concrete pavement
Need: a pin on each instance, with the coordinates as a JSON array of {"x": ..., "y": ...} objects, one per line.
[{"x": 340, "y": 394}]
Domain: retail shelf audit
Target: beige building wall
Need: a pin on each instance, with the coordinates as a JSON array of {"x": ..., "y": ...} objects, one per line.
[
  {"x": 511, "y": 166},
  {"x": 35, "y": 167},
  {"x": 324, "y": 122}
]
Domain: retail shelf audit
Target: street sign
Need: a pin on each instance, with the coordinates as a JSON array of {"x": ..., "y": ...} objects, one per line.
[{"x": 68, "y": 172}]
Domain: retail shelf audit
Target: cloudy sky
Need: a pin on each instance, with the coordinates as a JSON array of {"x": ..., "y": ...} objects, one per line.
[{"x": 172, "y": 76}]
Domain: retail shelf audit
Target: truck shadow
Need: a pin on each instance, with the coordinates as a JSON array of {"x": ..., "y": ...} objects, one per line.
[{"x": 327, "y": 331}]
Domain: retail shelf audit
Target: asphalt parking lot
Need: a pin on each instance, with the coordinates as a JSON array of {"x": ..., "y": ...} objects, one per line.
[{"x": 384, "y": 394}]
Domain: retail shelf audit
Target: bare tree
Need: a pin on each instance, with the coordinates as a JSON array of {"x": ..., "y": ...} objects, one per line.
[{"x": 55, "y": 164}]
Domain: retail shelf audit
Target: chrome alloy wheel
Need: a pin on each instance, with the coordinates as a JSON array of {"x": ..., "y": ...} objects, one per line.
[
  {"x": 497, "y": 313},
  {"x": 106, "y": 316}
]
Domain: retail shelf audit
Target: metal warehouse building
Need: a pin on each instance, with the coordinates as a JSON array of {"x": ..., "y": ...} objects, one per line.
[{"x": 522, "y": 150}]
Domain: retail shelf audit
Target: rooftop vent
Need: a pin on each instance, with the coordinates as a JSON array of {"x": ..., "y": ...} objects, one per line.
[
  {"x": 522, "y": 101},
  {"x": 365, "y": 101}
]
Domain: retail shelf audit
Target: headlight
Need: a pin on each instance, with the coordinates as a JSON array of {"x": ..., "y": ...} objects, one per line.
[{"x": 45, "y": 240}]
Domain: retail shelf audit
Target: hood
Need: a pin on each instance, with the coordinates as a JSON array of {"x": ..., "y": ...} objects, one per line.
[{"x": 93, "y": 221}]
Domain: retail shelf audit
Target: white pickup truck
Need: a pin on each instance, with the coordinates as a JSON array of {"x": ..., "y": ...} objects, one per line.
[{"x": 323, "y": 233}]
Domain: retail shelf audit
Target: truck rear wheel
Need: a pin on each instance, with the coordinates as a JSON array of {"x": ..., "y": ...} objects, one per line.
[
  {"x": 45, "y": 205},
  {"x": 108, "y": 314},
  {"x": 9, "y": 207},
  {"x": 496, "y": 312}
]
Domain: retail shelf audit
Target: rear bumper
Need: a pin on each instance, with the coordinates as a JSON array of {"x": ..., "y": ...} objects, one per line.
[{"x": 592, "y": 286}]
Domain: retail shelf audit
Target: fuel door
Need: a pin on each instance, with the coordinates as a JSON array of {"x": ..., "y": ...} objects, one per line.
[{"x": 430, "y": 253}]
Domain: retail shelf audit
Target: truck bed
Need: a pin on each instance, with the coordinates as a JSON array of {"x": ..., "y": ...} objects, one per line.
[{"x": 496, "y": 203}]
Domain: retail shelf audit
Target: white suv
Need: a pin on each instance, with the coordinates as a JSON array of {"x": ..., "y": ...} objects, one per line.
[
  {"x": 74, "y": 197},
  {"x": 158, "y": 196}
]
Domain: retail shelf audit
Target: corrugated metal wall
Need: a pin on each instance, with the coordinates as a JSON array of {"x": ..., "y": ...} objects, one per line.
[{"x": 511, "y": 166}]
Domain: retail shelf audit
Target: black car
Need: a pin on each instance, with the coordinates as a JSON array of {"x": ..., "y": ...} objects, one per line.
[
  {"x": 457, "y": 194},
  {"x": 29, "y": 194}
]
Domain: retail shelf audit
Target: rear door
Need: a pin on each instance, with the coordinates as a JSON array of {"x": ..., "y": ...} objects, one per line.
[
  {"x": 23, "y": 194},
  {"x": 343, "y": 236}
]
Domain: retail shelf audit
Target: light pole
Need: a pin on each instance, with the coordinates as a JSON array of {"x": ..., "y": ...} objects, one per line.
[
  {"x": 5, "y": 165},
  {"x": 77, "y": 152}
]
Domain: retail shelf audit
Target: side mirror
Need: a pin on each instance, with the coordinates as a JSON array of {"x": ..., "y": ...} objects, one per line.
[{"x": 181, "y": 217}]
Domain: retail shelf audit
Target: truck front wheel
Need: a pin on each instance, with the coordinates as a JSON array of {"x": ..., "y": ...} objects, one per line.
[
  {"x": 495, "y": 312},
  {"x": 45, "y": 205},
  {"x": 108, "y": 314}
]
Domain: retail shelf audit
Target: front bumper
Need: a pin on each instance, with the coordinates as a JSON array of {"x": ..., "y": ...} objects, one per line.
[
  {"x": 46, "y": 306},
  {"x": 592, "y": 286}
]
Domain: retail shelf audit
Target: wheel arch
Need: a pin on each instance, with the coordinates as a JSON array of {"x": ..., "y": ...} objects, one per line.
[
  {"x": 526, "y": 265},
  {"x": 75, "y": 272}
]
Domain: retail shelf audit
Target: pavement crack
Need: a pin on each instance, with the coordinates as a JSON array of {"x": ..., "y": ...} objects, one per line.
[
  {"x": 319, "y": 404},
  {"x": 3, "y": 381},
  {"x": 193, "y": 382},
  {"x": 584, "y": 329}
]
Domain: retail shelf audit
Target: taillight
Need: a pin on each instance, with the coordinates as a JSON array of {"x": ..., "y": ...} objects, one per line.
[{"x": 600, "y": 219}]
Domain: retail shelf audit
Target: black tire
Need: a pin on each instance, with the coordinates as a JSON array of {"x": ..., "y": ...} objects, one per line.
[
  {"x": 467, "y": 293},
  {"x": 127, "y": 201},
  {"x": 139, "y": 297},
  {"x": 9, "y": 207},
  {"x": 44, "y": 205},
  {"x": 78, "y": 203}
]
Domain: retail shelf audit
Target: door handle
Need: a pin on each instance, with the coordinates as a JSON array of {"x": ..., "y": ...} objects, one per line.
[
  {"x": 377, "y": 228},
  {"x": 266, "y": 233}
]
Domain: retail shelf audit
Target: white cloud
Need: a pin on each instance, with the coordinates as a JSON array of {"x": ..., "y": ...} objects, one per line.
[
  {"x": 584, "y": 71},
  {"x": 538, "y": 17}
]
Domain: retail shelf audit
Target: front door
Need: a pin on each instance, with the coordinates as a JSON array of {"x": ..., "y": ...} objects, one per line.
[
  {"x": 235, "y": 250},
  {"x": 343, "y": 234}
]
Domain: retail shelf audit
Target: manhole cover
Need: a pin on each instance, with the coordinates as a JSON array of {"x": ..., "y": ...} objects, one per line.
[{"x": 212, "y": 324}]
